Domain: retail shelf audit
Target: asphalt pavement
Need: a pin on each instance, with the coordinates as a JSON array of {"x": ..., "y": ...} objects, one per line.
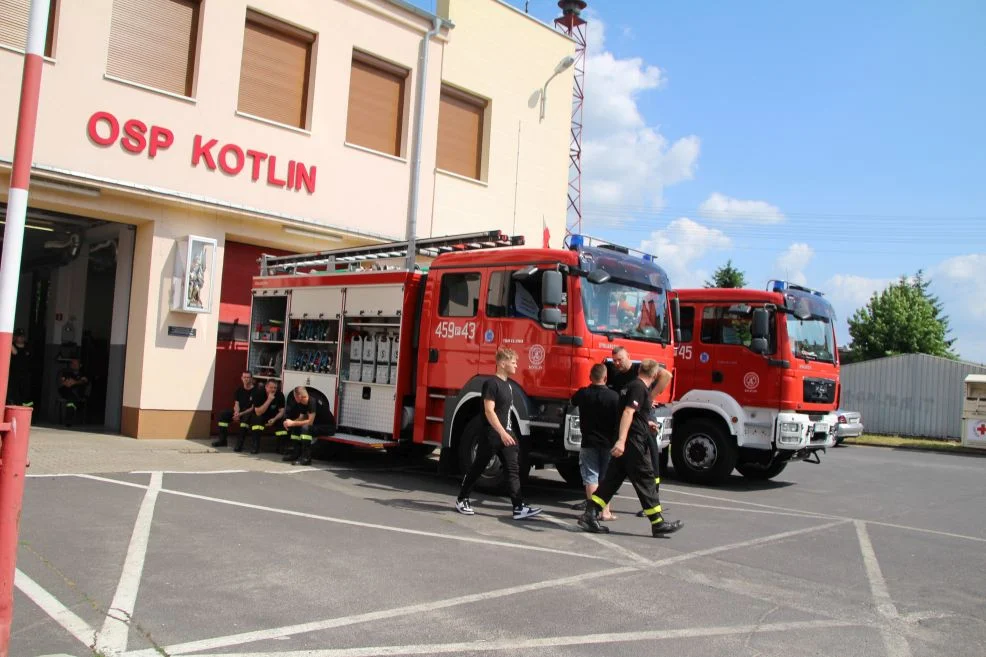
[{"x": 873, "y": 552}]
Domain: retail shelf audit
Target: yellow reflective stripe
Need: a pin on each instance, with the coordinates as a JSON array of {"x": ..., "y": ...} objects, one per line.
[
  {"x": 657, "y": 481},
  {"x": 258, "y": 427},
  {"x": 28, "y": 404},
  {"x": 653, "y": 511},
  {"x": 280, "y": 433},
  {"x": 657, "y": 521},
  {"x": 306, "y": 437},
  {"x": 224, "y": 424},
  {"x": 298, "y": 438},
  {"x": 600, "y": 501}
]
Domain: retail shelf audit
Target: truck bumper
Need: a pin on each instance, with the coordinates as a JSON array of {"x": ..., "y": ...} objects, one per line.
[{"x": 796, "y": 432}]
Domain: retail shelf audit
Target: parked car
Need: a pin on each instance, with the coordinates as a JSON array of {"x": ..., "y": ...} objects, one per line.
[{"x": 850, "y": 425}]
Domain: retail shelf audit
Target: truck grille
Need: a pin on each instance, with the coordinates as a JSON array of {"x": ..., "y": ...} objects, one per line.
[{"x": 819, "y": 391}]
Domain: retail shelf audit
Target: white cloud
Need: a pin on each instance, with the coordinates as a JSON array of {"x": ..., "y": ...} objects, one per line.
[
  {"x": 680, "y": 244},
  {"x": 792, "y": 263},
  {"x": 966, "y": 276},
  {"x": 625, "y": 160},
  {"x": 853, "y": 291},
  {"x": 720, "y": 206}
]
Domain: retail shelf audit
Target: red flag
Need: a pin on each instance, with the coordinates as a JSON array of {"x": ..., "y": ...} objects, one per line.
[{"x": 547, "y": 234}]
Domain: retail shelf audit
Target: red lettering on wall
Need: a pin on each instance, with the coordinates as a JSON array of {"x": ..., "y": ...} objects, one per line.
[
  {"x": 135, "y": 140},
  {"x": 291, "y": 164},
  {"x": 202, "y": 151},
  {"x": 161, "y": 139},
  {"x": 258, "y": 159},
  {"x": 224, "y": 164},
  {"x": 305, "y": 176},
  {"x": 108, "y": 119},
  {"x": 272, "y": 178}
]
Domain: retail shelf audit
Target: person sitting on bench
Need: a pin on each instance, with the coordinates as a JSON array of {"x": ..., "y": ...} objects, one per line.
[
  {"x": 268, "y": 413},
  {"x": 247, "y": 396},
  {"x": 73, "y": 388},
  {"x": 314, "y": 418}
]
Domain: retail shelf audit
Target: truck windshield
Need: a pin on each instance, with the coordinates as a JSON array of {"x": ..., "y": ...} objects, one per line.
[
  {"x": 618, "y": 308},
  {"x": 811, "y": 339}
]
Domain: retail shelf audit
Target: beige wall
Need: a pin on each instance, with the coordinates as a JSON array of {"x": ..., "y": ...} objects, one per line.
[{"x": 493, "y": 51}]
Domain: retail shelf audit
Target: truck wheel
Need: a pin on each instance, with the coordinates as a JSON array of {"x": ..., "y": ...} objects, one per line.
[
  {"x": 570, "y": 472},
  {"x": 760, "y": 472},
  {"x": 494, "y": 478},
  {"x": 702, "y": 452}
]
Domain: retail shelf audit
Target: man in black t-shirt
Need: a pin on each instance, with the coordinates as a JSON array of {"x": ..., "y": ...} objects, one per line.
[
  {"x": 599, "y": 408},
  {"x": 498, "y": 438},
  {"x": 314, "y": 419},
  {"x": 268, "y": 409},
  {"x": 19, "y": 381},
  {"x": 631, "y": 458},
  {"x": 243, "y": 403}
]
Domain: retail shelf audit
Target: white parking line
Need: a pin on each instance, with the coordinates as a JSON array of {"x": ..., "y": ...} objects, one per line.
[
  {"x": 598, "y": 538},
  {"x": 382, "y": 615},
  {"x": 59, "y": 612},
  {"x": 894, "y": 641},
  {"x": 551, "y": 642},
  {"x": 112, "y": 639}
]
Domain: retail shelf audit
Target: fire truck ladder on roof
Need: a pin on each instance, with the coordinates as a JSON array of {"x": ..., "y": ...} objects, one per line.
[{"x": 429, "y": 246}]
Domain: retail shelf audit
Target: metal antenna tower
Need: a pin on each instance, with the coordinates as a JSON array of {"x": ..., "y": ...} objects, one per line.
[{"x": 571, "y": 23}]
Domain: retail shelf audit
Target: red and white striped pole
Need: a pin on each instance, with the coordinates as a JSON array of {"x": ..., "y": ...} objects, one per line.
[
  {"x": 13, "y": 237},
  {"x": 15, "y": 421}
]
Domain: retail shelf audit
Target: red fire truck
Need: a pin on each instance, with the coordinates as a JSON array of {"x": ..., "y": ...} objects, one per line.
[
  {"x": 757, "y": 381},
  {"x": 401, "y": 355}
]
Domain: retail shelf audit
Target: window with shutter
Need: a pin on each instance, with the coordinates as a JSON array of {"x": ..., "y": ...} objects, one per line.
[
  {"x": 275, "y": 70},
  {"x": 460, "y": 132},
  {"x": 13, "y": 24},
  {"x": 152, "y": 42},
  {"x": 376, "y": 104}
]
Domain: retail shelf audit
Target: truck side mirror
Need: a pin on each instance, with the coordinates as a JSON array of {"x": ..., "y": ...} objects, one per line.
[
  {"x": 759, "y": 346},
  {"x": 761, "y": 324},
  {"x": 551, "y": 316},
  {"x": 676, "y": 318},
  {"x": 598, "y": 276},
  {"x": 551, "y": 289}
]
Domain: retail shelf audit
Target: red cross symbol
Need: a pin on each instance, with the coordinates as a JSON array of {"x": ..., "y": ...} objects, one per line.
[{"x": 981, "y": 430}]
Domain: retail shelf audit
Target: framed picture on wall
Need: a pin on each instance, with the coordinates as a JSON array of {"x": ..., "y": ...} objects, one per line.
[{"x": 195, "y": 262}]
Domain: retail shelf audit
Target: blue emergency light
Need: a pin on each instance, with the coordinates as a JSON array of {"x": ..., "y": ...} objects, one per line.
[{"x": 576, "y": 241}]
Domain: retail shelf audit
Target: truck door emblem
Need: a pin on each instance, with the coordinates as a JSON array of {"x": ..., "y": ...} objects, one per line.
[
  {"x": 751, "y": 381},
  {"x": 488, "y": 336},
  {"x": 704, "y": 357},
  {"x": 536, "y": 354}
]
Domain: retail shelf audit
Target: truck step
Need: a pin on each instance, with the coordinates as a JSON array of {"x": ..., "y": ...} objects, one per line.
[{"x": 360, "y": 441}]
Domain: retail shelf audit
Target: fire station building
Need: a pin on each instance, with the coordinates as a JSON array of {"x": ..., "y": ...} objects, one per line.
[{"x": 178, "y": 140}]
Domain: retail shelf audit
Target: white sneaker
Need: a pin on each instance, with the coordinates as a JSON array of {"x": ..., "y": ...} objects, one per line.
[
  {"x": 464, "y": 507},
  {"x": 522, "y": 512}
]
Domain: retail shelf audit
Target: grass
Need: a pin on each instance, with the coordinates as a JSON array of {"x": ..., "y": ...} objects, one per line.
[{"x": 902, "y": 442}]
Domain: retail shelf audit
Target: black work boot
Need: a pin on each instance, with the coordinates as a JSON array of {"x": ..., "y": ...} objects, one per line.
[
  {"x": 589, "y": 521},
  {"x": 220, "y": 441},
  {"x": 239, "y": 443},
  {"x": 292, "y": 452},
  {"x": 665, "y": 528},
  {"x": 256, "y": 443},
  {"x": 306, "y": 453}
]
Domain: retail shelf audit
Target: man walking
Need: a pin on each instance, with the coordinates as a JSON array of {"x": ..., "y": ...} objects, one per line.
[
  {"x": 631, "y": 459},
  {"x": 498, "y": 438},
  {"x": 599, "y": 410},
  {"x": 314, "y": 419}
]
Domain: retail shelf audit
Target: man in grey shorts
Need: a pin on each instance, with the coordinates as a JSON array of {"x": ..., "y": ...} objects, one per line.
[{"x": 599, "y": 409}]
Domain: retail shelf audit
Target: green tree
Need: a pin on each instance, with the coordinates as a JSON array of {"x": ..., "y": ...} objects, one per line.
[
  {"x": 727, "y": 276},
  {"x": 902, "y": 319}
]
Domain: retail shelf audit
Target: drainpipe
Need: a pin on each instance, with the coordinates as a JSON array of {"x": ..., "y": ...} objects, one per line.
[{"x": 419, "y": 120}]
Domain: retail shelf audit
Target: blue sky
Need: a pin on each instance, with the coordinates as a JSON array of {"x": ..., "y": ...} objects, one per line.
[{"x": 838, "y": 144}]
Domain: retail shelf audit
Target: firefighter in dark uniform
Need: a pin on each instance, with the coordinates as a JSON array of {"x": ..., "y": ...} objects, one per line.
[
  {"x": 314, "y": 418},
  {"x": 19, "y": 380},
  {"x": 243, "y": 405},
  {"x": 268, "y": 412},
  {"x": 631, "y": 459}
]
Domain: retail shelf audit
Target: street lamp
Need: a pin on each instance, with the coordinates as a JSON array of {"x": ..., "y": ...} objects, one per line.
[{"x": 562, "y": 66}]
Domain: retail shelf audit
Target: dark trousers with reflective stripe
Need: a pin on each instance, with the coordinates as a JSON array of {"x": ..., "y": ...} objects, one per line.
[
  {"x": 226, "y": 419},
  {"x": 509, "y": 458},
  {"x": 635, "y": 464}
]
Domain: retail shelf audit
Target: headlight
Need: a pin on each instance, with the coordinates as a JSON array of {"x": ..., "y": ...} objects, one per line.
[
  {"x": 790, "y": 427},
  {"x": 574, "y": 422}
]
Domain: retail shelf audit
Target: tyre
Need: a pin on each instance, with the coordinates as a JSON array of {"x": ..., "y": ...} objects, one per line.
[
  {"x": 702, "y": 452},
  {"x": 570, "y": 472},
  {"x": 760, "y": 472},
  {"x": 494, "y": 478}
]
